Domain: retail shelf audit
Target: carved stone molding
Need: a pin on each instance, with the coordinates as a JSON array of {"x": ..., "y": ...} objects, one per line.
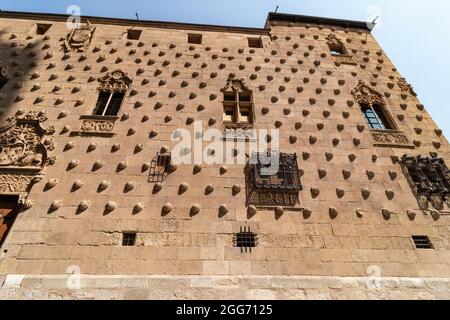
[
  {"x": 96, "y": 126},
  {"x": 79, "y": 39},
  {"x": 333, "y": 40},
  {"x": 236, "y": 85},
  {"x": 239, "y": 133},
  {"x": 391, "y": 138},
  {"x": 363, "y": 94},
  {"x": 116, "y": 81},
  {"x": 405, "y": 86},
  {"x": 274, "y": 198},
  {"x": 344, "y": 59}
]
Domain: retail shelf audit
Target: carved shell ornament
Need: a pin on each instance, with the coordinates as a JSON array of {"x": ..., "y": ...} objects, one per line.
[
  {"x": 79, "y": 39},
  {"x": 23, "y": 142}
]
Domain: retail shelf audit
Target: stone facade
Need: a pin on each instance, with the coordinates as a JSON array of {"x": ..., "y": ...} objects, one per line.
[{"x": 83, "y": 179}]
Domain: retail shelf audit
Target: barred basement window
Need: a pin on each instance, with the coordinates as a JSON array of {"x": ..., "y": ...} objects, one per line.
[
  {"x": 255, "y": 42},
  {"x": 160, "y": 167},
  {"x": 195, "y": 38},
  {"x": 273, "y": 179},
  {"x": 128, "y": 239},
  {"x": 428, "y": 176},
  {"x": 245, "y": 239},
  {"x": 134, "y": 34},
  {"x": 42, "y": 28},
  {"x": 375, "y": 117},
  {"x": 108, "y": 103},
  {"x": 422, "y": 242},
  {"x": 237, "y": 104}
]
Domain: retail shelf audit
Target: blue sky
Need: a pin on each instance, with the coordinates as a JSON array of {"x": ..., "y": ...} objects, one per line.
[{"x": 414, "y": 33}]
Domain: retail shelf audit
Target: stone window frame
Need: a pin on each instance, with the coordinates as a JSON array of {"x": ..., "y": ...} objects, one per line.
[
  {"x": 235, "y": 90},
  {"x": 368, "y": 97},
  {"x": 42, "y": 28},
  {"x": 195, "y": 38},
  {"x": 114, "y": 82},
  {"x": 134, "y": 34},
  {"x": 255, "y": 43}
]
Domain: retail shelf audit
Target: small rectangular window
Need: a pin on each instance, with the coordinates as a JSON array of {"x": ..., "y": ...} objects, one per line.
[
  {"x": 128, "y": 239},
  {"x": 194, "y": 38},
  {"x": 422, "y": 242},
  {"x": 42, "y": 28},
  {"x": 160, "y": 167},
  {"x": 245, "y": 239},
  {"x": 134, "y": 34},
  {"x": 255, "y": 43}
]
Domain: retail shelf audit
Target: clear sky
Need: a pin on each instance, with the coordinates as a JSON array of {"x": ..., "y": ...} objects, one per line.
[{"x": 415, "y": 33}]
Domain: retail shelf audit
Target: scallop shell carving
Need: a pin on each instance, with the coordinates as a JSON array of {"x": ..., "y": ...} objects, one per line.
[{"x": 57, "y": 204}]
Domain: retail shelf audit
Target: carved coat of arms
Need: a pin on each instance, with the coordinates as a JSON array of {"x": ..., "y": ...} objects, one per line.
[{"x": 79, "y": 39}]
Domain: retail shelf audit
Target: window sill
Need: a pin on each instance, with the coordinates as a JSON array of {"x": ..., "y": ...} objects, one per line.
[
  {"x": 93, "y": 125},
  {"x": 344, "y": 59},
  {"x": 391, "y": 138}
]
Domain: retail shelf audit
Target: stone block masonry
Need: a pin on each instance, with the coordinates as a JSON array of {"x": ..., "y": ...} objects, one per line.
[{"x": 86, "y": 112}]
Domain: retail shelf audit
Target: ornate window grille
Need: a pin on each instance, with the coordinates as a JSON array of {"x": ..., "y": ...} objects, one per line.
[
  {"x": 160, "y": 167},
  {"x": 245, "y": 239},
  {"x": 271, "y": 185},
  {"x": 430, "y": 177}
]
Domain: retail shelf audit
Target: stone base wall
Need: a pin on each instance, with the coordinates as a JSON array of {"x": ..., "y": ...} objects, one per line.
[{"x": 221, "y": 287}]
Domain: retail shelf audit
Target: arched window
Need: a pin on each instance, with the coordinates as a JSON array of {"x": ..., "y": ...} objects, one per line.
[
  {"x": 3, "y": 78},
  {"x": 112, "y": 89},
  {"x": 237, "y": 103},
  {"x": 373, "y": 108}
]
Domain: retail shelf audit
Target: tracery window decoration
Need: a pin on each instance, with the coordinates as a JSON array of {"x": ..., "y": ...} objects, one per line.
[
  {"x": 3, "y": 77},
  {"x": 429, "y": 176},
  {"x": 112, "y": 89},
  {"x": 274, "y": 182},
  {"x": 237, "y": 104},
  {"x": 373, "y": 108},
  {"x": 336, "y": 46}
]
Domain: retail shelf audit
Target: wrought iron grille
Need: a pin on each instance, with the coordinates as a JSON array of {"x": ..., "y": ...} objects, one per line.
[
  {"x": 422, "y": 242},
  {"x": 274, "y": 182},
  {"x": 429, "y": 176},
  {"x": 160, "y": 167},
  {"x": 245, "y": 239}
]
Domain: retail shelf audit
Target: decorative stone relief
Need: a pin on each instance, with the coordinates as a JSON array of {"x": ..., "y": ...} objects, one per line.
[
  {"x": 391, "y": 138},
  {"x": 363, "y": 94},
  {"x": 79, "y": 39},
  {"x": 405, "y": 86},
  {"x": 116, "y": 81}
]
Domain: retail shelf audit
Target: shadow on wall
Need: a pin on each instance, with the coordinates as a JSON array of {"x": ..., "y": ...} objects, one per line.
[{"x": 20, "y": 57}]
